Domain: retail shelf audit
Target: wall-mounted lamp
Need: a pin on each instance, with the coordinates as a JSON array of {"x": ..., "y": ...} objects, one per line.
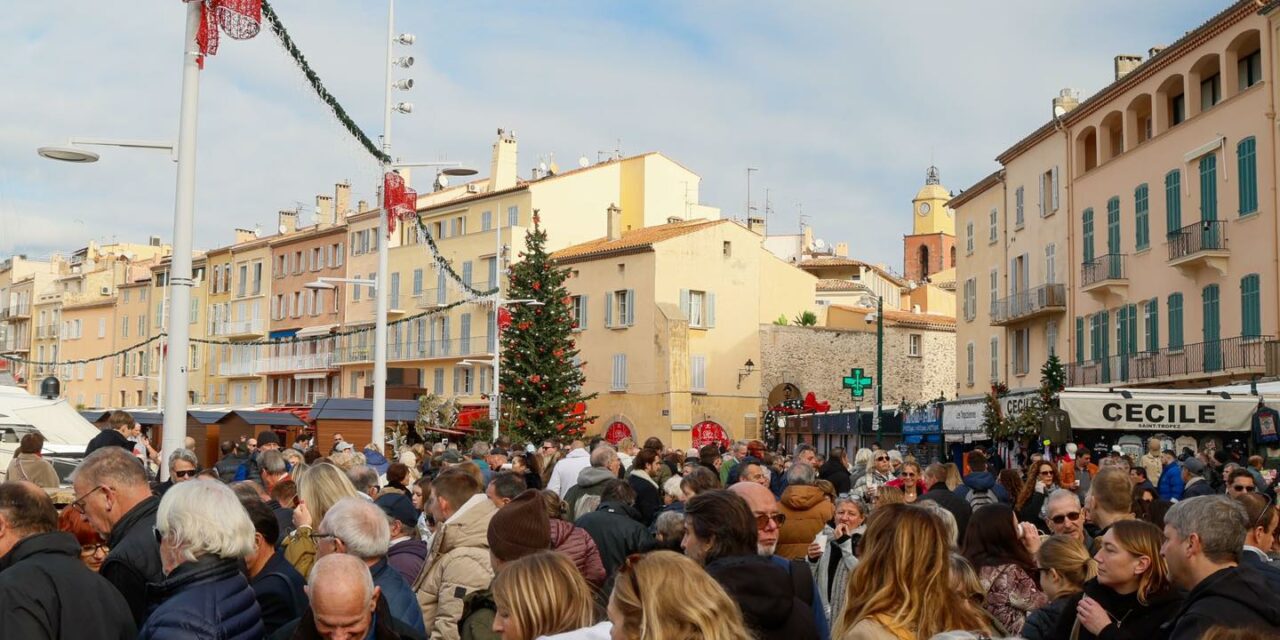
[{"x": 748, "y": 368}]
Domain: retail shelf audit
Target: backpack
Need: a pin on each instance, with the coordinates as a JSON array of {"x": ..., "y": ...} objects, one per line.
[{"x": 980, "y": 498}]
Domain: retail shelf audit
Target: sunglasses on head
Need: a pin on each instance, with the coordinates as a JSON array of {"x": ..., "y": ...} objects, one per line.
[
  {"x": 762, "y": 520},
  {"x": 1063, "y": 517}
]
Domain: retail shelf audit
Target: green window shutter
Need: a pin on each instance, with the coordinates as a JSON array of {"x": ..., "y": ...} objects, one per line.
[
  {"x": 1175, "y": 321},
  {"x": 1173, "y": 202},
  {"x": 1079, "y": 339},
  {"x": 1133, "y": 329},
  {"x": 1209, "y": 298},
  {"x": 1153, "y": 325},
  {"x": 1250, "y": 306},
  {"x": 1113, "y": 226},
  {"x": 1142, "y": 231},
  {"x": 1087, "y": 221},
  {"x": 1209, "y": 187},
  {"x": 1247, "y": 175}
]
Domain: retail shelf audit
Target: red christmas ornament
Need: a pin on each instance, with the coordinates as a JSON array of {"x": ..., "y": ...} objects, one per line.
[
  {"x": 535, "y": 378},
  {"x": 558, "y": 353},
  {"x": 537, "y": 286}
]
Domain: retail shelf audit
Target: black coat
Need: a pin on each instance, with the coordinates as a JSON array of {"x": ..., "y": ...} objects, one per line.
[
  {"x": 134, "y": 559},
  {"x": 959, "y": 507},
  {"x": 384, "y": 627},
  {"x": 1235, "y": 597},
  {"x": 278, "y": 588},
  {"x": 47, "y": 592},
  {"x": 1141, "y": 622},
  {"x": 833, "y": 471},
  {"x": 767, "y": 596},
  {"x": 208, "y": 599},
  {"x": 615, "y": 527},
  {"x": 1041, "y": 622},
  {"x": 1030, "y": 512},
  {"x": 648, "y": 498},
  {"x": 228, "y": 465},
  {"x": 108, "y": 438}
]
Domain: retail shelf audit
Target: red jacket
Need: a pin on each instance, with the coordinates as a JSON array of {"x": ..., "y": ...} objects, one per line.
[{"x": 576, "y": 543}]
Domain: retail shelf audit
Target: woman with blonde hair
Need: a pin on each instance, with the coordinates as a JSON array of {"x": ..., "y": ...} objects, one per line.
[
  {"x": 320, "y": 487},
  {"x": 1065, "y": 565},
  {"x": 954, "y": 479},
  {"x": 666, "y": 596},
  {"x": 1131, "y": 597},
  {"x": 902, "y": 587},
  {"x": 540, "y": 595}
]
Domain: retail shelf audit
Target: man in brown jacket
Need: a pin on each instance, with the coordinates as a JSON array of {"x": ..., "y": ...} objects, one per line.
[
  {"x": 458, "y": 563},
  {"x": 807, "y": 510}
]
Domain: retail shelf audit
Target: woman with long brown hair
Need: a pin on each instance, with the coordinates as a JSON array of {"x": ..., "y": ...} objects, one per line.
[
  {"x": 666, "y": 596},
  {"x": 996, "y": 546},
  {"x": 1042, "y": 480},
  {"x": 540, "y": 595},
  {"x": 902, "y": 587},
  {"x": 1131, "y": 597}
]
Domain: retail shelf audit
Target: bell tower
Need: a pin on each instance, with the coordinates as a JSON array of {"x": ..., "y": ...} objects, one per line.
[
  {"x": 931, "y": 246},
  {"x": 931, "y": 214}
]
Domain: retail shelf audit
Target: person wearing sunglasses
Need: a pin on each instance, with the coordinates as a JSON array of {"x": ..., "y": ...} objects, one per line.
[
  {"x": 183, "y": 466},
  {"x": 1041, "y": 481},
  {"x": 1240, "y": 483},
  {"x": 878, "y": 474},
  {"x": 1064, "y": 516}
]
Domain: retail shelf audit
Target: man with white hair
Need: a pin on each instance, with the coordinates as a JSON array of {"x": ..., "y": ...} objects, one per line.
[
  {"x": 345, "y": 605},
  {"x": 357, "y": 527},
  {"x": 365, "y": 479}
]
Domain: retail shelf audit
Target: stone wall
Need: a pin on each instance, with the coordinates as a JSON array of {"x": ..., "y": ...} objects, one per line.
[{"x": 817, "y": 359}]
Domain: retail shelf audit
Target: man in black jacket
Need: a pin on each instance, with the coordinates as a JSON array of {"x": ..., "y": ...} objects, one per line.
[
  {"x": 615, "y": 527},
  {"x": 234, "y": 454},
  {"x": 834, "y": 471},
  {"x": 45, "y": 589},
  {"x": 935, "y": 477},
  {"x": 113, "y": 496},
  {"x": 1204, "y": 537},
  {"x": 277, "y": 586},
  {"x": 648, "y": 497}
]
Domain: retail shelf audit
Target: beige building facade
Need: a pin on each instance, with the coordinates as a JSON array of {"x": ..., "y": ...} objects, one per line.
[{"x": 1135, "y": 233}]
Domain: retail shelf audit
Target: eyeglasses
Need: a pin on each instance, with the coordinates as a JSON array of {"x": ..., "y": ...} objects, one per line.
[
  {"x": 92, "y": 549},
  {"x": 187, "y": 473},
  {"x": 78, "y": 503},
  {"x": 1047, "y": 473},
  {"x": 881, "y": 458},
  {"x": 1063, "y": 517},
  {"x": 1243, "y": 488},
  {"x": 317, "y": 537},
  {"x": 908, "y": 474},
  {"x": 159, "y": 536},
  {"x": 762, "y": 520}
]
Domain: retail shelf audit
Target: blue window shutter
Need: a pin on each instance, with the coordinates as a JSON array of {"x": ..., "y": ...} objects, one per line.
[
  {"x": 442, "y": 294},
  {"x": 631, "y": 307},
  {"x": 466, "y": 272},
  {"x": 444, "y": 339},
  {"x": 608, "y": 309},
  {"x": 417, "y": 282},
  {"x": 684, "y": 303},
  {"x": 493, "y": 272},
  {"x": 465, "y": 348},
  {"x": 711, "y": 309},
  {"x": 584, "y": 307}
]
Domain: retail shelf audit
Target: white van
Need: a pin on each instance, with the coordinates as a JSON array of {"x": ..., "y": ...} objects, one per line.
[{"x": 66, "y": 432}]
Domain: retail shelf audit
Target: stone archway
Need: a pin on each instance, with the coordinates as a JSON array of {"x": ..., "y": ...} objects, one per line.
[{"x": 783, "y": 392}]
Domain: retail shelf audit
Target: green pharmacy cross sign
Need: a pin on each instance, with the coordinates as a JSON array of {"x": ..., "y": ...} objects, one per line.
[{"x": 857, "y": 382}]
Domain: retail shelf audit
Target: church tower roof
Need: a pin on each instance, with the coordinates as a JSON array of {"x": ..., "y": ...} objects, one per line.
[{"x": 932, "y": 189}]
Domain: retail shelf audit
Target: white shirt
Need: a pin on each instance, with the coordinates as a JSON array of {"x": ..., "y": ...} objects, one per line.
[{"x": 565, "y": 474}]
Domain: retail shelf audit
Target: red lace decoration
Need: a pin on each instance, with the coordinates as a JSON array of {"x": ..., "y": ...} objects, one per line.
[
  {"x": 239, "y": 19},
  {"x": 399, "y": 202}
]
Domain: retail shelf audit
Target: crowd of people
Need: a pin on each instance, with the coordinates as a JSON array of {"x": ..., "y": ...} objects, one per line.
[{"x": 591, "y": 541}]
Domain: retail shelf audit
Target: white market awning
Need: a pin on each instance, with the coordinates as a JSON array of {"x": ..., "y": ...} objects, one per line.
[{"x": 1158, "y": 411}]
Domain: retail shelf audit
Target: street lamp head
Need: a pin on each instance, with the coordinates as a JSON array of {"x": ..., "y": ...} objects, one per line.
[
  {"x": 459, "y": 171},
  {"x": 67, "y": 154},
  {"x": 403, "y": 85},
  {"x": 404, "y": 62},
  {"x": 406, "y": 39},
  {"x": 320, "y": 284},
  {"x": 403, "y": 107}
]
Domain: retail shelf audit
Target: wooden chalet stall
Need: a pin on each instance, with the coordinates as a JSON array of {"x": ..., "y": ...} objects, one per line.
[{"x": 353, "y": 418}]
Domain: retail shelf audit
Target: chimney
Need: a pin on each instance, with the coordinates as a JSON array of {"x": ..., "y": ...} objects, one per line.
[
  {"x": 1065, "y": 101},
  {"x": 615, "y": 222},
  {"x": 806, "y": 239},
  {"x": 324, "y": 211},
  {"x": 502, "y": 170},
  {"x": 756, "y": 225},
  {"x": 288, "y": 222},
  {"x": 1126, "y": 63},
  {"x": 842, "y": 249},
  {"x": 342, "y": 199},
  {"x": 362, "y": 206},
  {"x": 1155, "y": 51},
  {"x": 245, "y": 235}
]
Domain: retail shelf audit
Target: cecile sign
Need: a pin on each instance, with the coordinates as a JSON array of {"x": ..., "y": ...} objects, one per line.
[{"x": 1158, "y": 412}]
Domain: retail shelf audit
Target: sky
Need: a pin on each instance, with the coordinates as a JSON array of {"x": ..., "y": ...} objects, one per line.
[{"x": 840, "y": 105}]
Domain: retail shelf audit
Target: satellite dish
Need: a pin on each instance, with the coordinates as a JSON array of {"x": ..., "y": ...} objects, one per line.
[
  {"x": 442, "y": 181},
  {"x": 583, "y": 162},
  {"x": 542, "y": 166},
  {"x": 1059, "y": 111},
  {"x": 554, "y": 169},
  {"x": 283, "y": 229},
  {"x": 819, "y": 244}
]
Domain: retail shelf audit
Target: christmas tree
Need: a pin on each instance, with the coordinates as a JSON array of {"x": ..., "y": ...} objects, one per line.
[{"x": 540, "y": 381}]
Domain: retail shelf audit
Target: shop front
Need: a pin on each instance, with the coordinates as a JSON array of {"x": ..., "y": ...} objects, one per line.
[
  {"x": 1194, "y": 421},
  {"x": 851, "y": 430}
]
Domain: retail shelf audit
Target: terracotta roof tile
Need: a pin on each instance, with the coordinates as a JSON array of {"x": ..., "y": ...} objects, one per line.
[
  {"x": 634, "y": 240},
  {"x": 837, "y": 261},
  {"x": 836, "y": 284}
]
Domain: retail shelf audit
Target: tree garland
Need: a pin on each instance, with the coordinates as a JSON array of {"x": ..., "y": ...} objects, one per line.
[
  {"x": 442, "y": 263},
  {"x": 338, "y": 112},
  {"x": 51, "y": 363}
]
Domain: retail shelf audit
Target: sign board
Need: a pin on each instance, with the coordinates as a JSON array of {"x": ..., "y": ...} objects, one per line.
[
  {"x": 922, "y": 422},
  {"x": 1158, "y": 412},
  {"x": 963, "y": 416},
  {"x": 857, "y": 382}
]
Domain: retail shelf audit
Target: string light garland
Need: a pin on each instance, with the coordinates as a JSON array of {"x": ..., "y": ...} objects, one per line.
[
  {"x": 313, "y": 78},
  {"x": 60, "y": 363}
]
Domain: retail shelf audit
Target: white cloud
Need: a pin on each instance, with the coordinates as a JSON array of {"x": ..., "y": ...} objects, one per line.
[{"x": 840, "y": 105}]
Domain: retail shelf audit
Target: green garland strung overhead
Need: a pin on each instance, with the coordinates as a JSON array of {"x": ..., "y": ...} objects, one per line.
[
  {"x": 442, "y": 263},
  {"x": 58, "y": 363}
]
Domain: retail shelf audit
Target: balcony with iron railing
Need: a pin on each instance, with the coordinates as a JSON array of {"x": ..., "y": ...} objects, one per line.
[
  {"x": 1104, "y": 275},
  {"x": 48, "y": 331},
  {"x": 303, "y": 362},
  {"x": 15, "y": 344},
  {"x": 443, "y": 348},
  {"x": 1043, "y": 300},
  {"x": 1202, "y": 245},
  {"x": 1238, "y": 356},
  {"x": 432, "y": 298},
  {"x": 238, "y": 328},
  {"x": 15, "y": 312}
]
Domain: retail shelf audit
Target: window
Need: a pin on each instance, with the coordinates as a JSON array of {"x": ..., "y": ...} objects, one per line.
[
  {"x": 1017, "y": 208},
  {"x": 1177, "y": 109},
  {"x": 995, "y": 358},
  {"x": 1175, "y": 321},
  {"x": 102, "y": 327},
  {"x": 1151, "y": 322},
  {"x": 968, "y": 350},
  {"x": 1086, "y": 220},
  {"x": 1141, "y": 226},
  {"x": 355, "y": 290},
  {"x": 486, "y": 220},
  {"x": 338, "y": 253},
  {"x": 1247, "y": 175},
  {"x": 124, "y": 327},
  {"x": 619, "y": 379},
  {"x": 460, "y": 226},
  {"x": 513, "y": 216},
  {"x": 913, "y": 345},
  {"x": 1048, "y": 185},
  {"x": 462, "y": 381},
  {"x": 98, "y": 369},
  {"x": 464, "y": 335},
  {"x": 417, "y": 282},
  {"x": 1050, "y": 263},
  {"x": 126, "y": 298},
  {"x": 970, "y": 299},
  {"x": 1250, "y": 307},
  {"x": 297, "y": 262},
  {"x": 992, "y": 218},
  {"x": 1210, "y": 92},
  {"x": 578, "y": 308},
  {"x": 491, "y": 267},
  {"x": 394, "y": 290},
  {"x": 1249, "y": 69},
  {"x": 968, "y": 239},
  {"x": 466, "y": 273},
  {"x": 1173, "y": 201},
  {"x": 317, "y": 258},
  {"x": 1021, "y": 351},
  {"x": 995, "y": 289},
  {"x": 142, "y": 324},
  {"x": 438, "y": 382},
  {"x": 619, "y": 308},
  {"x": 442, "y": 294},
  {"x": 698, "y": 374},
  {"x": 726, "y": 249},
  {"x": 692, "y": 305}
]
